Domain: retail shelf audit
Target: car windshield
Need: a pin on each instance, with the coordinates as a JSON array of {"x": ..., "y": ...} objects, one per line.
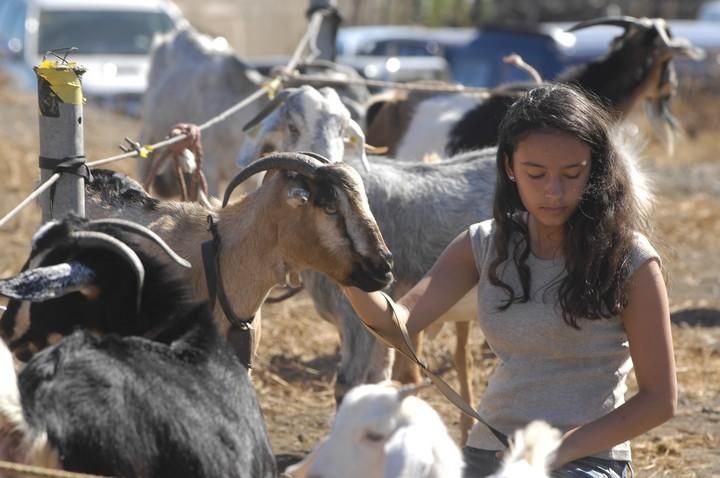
[{"x": 100, "y": 32}]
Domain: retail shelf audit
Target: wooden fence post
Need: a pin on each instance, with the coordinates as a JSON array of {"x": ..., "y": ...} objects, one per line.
[
  {"x": 62, "y": 148},
  {"x": 328, "y": 29}
]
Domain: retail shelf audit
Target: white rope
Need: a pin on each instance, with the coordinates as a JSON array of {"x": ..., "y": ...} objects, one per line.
[
  {"x": 447, "y": 88},
  {"x": 38, "y": 191}
]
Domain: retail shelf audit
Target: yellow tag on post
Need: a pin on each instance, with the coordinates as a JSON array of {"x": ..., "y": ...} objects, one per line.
[{"x": 63, "y": 80}]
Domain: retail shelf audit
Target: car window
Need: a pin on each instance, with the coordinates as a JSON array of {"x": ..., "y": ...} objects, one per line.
[
  {"x": 402, "y": 48},
  {"x": 100, "y": 32}
]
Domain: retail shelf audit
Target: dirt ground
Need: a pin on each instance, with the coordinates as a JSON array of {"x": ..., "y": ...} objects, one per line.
[{"x": 295, "y": 373}]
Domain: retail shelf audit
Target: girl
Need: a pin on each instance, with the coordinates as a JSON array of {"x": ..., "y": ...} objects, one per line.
[{"x": 571, "y": 294}]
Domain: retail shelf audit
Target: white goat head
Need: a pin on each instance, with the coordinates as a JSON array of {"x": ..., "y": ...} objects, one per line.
[
  {"x": 531, "y": 451},
  {"x": 381, "y": 431},
  {"x": 304, "y": 119}
]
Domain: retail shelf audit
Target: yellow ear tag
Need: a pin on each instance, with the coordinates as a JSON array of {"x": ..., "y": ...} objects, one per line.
[
  {"x": 145, "y": 151},
  {"x": 272, "y": 87}
]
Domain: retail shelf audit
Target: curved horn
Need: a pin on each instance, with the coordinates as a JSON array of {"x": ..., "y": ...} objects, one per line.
[
  {"x": 49, "y": 282},
  {"x": 624, "y": 22},
  {"x": 302, "y": 163},
  {"x": 109, "y": 243},
  {"x": 145, "y": 232},
  {"x": 317, "y": 156}
]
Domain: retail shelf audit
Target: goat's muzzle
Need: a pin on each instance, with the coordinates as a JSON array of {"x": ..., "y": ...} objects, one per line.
[{"x": 373, "y": 274}]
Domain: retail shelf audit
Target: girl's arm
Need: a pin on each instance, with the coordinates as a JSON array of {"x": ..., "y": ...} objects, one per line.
[
  {"x": 450, "y": 278},
  {"x": 647, "y": 323}
]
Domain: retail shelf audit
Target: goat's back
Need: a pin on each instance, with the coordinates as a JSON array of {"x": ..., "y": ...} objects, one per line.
[{"x": 128, "y": 406}]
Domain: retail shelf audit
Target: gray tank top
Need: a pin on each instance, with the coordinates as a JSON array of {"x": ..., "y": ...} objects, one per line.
[{"x": 546, "y": 369}]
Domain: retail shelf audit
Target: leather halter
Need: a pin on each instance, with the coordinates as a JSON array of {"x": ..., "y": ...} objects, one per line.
[{"x": 241, "y": 333}]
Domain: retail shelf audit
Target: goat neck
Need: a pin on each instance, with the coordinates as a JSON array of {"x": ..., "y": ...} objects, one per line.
[{"x": 248, "y": 253}]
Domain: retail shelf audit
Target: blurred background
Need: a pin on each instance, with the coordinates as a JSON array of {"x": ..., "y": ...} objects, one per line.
[{"x": 462, "y": 41}]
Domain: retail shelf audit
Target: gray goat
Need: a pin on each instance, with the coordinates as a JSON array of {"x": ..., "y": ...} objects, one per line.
[
  {"x": 419, "y": 207},
  {"x": 194, "y": 77}
]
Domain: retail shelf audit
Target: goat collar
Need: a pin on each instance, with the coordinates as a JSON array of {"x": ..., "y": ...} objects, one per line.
[{"x": 241, "y": 333}]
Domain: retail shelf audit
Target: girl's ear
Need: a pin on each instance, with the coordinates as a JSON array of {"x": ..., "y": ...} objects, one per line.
[{"x": 508, "y": 168}]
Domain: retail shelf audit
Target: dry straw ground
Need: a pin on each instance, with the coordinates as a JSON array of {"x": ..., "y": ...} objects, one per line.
[{"x": 295, "y": 372}]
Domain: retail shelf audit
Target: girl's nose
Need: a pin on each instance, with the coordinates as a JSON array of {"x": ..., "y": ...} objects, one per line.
[{"x": 554, "y": 187}]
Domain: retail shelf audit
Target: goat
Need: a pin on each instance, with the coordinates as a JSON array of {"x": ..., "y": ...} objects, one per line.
[
  {"x": 530, "y": 453},
  {"x": 307, "y": 215},
  {"x": 137, "y": 381},
  {"x": 637, "y": 67},
  {"x": 193, "y": 78},
  {"x": 383, "y": 432},
  {"x": 420, "y": 208}
]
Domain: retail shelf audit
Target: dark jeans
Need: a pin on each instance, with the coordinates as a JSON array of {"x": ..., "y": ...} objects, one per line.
[{"x": 482, "y": 463}]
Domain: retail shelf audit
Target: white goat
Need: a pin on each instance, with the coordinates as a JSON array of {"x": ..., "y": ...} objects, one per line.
[
  {"x": 381, "y": 431},
  {"x": 194, "y": 77},
  {"x": 530, "y": 453}
]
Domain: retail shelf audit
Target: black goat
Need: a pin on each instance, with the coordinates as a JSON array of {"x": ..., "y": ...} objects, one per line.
[
  {"x": 638, "y": 66},
  {"x": 138, "y": 381}
]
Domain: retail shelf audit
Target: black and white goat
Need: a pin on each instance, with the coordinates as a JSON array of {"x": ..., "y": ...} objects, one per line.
[
  {"x": 637, "y": 68},
  {"x": 137, "y": 381}
]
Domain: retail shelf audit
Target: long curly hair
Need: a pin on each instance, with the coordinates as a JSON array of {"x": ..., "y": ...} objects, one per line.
[{"x": 599, "y": 234}]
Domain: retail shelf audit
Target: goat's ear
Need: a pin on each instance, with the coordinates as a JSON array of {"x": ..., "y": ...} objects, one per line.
[
  {"x": 356, "y": 142},
  {"x": 50, "y": 282},
  {"x": 683, "y": 47}
]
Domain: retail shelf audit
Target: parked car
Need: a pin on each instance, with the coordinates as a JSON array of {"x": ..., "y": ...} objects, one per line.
[
  {"x": 480, "y": 63},
  {"x": 399, "y": 52},
  {"x": 551, "y": 49},
  {"x": 112, "y": 37}
]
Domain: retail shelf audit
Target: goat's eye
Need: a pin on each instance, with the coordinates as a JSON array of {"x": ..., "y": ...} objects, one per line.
[
  {"x": 374, "y": 437},
  {"x": 293, "y": 130},
  {"x": 330, "y": 209}
]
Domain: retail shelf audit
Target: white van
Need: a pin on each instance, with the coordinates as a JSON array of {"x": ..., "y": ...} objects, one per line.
[{"x": 112, "y": 37}]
